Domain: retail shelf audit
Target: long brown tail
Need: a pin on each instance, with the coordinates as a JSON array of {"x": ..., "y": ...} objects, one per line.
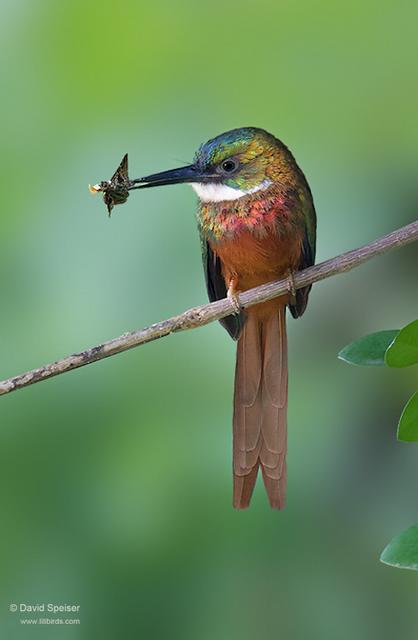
[{"x": 260, "y": 408}]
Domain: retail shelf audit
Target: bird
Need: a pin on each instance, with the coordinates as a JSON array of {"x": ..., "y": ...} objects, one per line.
[{"x": 257, "y": 223}]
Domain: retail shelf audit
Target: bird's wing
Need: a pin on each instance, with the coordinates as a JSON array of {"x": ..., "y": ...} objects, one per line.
[
  {"x": 307, "y": 258},
  {"x": 216, "y": 289}
]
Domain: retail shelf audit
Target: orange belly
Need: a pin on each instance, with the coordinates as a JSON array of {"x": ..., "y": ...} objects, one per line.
[{"x": 252, "y": 260}]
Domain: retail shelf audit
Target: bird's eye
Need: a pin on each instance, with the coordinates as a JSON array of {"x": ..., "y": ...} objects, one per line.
[{"x": 229, "y": 166}]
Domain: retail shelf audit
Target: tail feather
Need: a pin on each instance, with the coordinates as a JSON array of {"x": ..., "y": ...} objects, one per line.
[{"x": 260, "y": 409}]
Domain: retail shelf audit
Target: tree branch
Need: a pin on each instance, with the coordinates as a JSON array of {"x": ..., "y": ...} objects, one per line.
[{"x": 199, "y": 316}]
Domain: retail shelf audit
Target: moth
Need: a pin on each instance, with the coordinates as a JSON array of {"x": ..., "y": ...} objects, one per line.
[{"x": 116, "y": 190}]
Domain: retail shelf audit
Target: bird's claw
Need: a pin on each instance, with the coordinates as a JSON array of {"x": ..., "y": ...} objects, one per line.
[
  {"x": 233, "y": 295},
  {"x": 291, "y": 288}
]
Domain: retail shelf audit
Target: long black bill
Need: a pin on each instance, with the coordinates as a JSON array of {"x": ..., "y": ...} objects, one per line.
[{"x": 189, "y": 173}]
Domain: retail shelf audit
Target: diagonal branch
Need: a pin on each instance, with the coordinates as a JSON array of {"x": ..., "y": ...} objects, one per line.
[{"x": 200, "y": 316}]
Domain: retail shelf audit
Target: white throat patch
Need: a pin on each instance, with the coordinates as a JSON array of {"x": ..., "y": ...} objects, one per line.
[{"x": 220, "y": 192}]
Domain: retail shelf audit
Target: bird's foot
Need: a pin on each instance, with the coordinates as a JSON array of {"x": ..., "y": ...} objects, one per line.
[
  {"x": 291, "y": 288},
  {"x": 233, "y": 295}
]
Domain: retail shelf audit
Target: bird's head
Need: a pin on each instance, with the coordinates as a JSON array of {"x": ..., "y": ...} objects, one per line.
[{"x": 232, "y": 165}]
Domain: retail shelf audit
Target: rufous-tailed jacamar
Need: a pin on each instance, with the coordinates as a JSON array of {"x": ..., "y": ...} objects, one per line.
[{"x": 257, "y": 223}]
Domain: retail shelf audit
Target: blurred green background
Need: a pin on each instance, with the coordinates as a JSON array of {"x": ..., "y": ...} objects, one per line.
[{"x": 115, "y": 480}]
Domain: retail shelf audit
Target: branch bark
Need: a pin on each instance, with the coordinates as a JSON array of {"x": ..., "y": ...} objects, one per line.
[{"x": 199, "y": 316}]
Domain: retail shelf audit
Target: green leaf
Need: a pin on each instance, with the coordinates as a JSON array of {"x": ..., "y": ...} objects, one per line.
[
  {"x": 404, "y": 349},
  {"x": 402, "y": 551},
  {"x": 408, "y": 422},
  {"x": 370, "y": 350}
]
